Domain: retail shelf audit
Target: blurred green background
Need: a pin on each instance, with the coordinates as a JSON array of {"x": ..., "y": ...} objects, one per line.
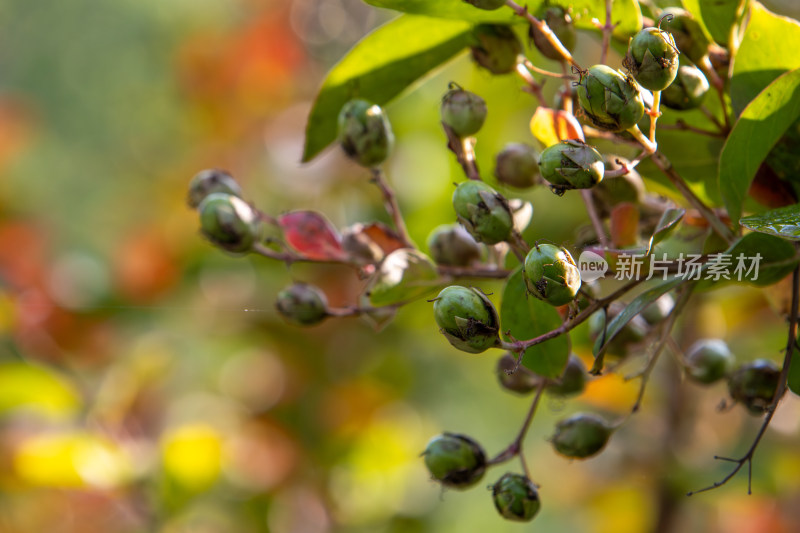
[{"x": 147, "y": 384}]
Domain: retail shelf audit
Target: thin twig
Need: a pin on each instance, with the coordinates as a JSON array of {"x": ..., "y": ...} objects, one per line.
[
  {"x": 648, "y": 145},
  {"x": 703, "y": 109},
  {"x": 533, "y": 68},
  {"x": 515, "y": 448},
  {"x": 607, "y": 29},
  {"x": 546, "y": 31},
  {"x": 595, "y": 218},
  {"x": 531, "y": 85},
  {"x": 464, "y": 152},
  {"x": 708, "y": 69},
  {"x": 654, "y": 113},
  {"x": 390, "y": 201}
]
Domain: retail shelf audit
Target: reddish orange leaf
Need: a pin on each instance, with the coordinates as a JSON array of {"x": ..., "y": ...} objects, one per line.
[
  {"x": 383, "y": 236},
  {"x": 312, "y": 235},
  {"x": 624, "y": 224}
]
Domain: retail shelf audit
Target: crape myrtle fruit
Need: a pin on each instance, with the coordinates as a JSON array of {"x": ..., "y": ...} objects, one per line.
[
  {"x": 496, "y": 48},
  {"x": 455, "y": 461},
  {"x": 754, "y": 384},
  {"x": 659, "y": 310},
  {"x": 452, "y": 245},
  {"x": 467, "y": 318},
  {"x": 551, "y": 275},
  {"x": 463, "y": 111},
  {"x": 652, "y": 58},
  {"x": 580, "y": 436},
  {"x": 365, "y": 134},
  {"x": 488, "y": 5},
  {"x": 302, "y": 304},
  {"x": 519, "y": 379},
  {"x": 560, "y": 22},
  {"x": 686, "y": 32},
  {"x": 688, "y": 89},
  {"x": 483, "y": 212},
  {"x": 572, "y": 380},
  {"x": 571, "y": 164},
  {"x": 229, "y": 222},
  {"x": 516, "y": 498},
  {"x": 708, "y": 361},
  {"x": 517, "y": 165},
  {"x": 609, "y": 99},
  {"x": 210, "y": 181}
]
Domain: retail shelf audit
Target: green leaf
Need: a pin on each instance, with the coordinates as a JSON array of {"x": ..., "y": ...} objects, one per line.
[
  {"x": 527, "y": 317},
  {"x": 34, "y": 388},
  {"x": 756, "y": 258},
  {"x": 717, "y": 17},
  {"x": 380, "y": 67},
  {"x": 666, "y": 224},
  {"x": 768, "y": 49},
  {"x": 794, "y": 372},
  {"x": 404, "y": 275},
  {"x": 759, "y": 127},
  {"x": 783, "y": 222}
]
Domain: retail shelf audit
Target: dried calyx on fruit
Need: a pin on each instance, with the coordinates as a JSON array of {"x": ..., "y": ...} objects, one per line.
[
  {"x": 515, "y": 377},
  {"x": 708, "y": 360},
  {"x": 581, "y": 435},
  {"x": 516, "y": 498},
  {"x": 572, "y": 380},
  {"x": 483, "y": 212},
  {"x": 456, "y": 461},
  {"x": 652, "y": 58},
  {"x": 571, "y": 164},
  {"x": 689, "y": 36},
  {"x": 462, "y": 111},
  {"x": 496, "y": 48},
  {"x": 302, "y": 304},
  {"x": 466, "y": 318},
  {"x": 208, "y": 182},
  {"x": 229, "y": 222},
  {"x": 688, "y": 89},
  {"x": 754, "y": 384},
  {"x": 551, "y": 275},
  {"x": 517, "y": 165},
  {"x": 365, "y": 134},
  {"x": 559, "y": 21},
  {"x": 609, "y": 99},
  {"x": 452, "y": 245}
]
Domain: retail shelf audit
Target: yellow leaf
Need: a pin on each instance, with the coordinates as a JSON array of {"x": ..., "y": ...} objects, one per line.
[{"x": 550, "y": 126}]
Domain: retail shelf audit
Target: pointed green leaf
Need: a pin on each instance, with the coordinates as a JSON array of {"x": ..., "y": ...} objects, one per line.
[
  {"x": 380, "y": 67},
  {"x": 794, "y": 373},
  {"x": 404, "y": 275},
  {"x": 756, "y": 258},
  {"x": 716, "y": 18},
  {"x": 666, "y": 224},
  {"x": 783, "y": 222}
]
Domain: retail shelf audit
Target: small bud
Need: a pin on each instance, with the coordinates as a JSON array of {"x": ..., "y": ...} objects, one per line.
[
  {"x": 551, "y": 275},
  {"x": 497, "y": 48},
  {"x": 688, "y": 89},
  {"x": 609, "y": 99},
  {"x": 652, "y": 58},
  {"x": 571, "y": 164},
  {"x": 467, "y": 318},
  {"x": 483, "y": 212},
  {"x": 517, "y": 165},
  {"x": 560, "y": 22},
  {"x": 632, "y": 333},
  {"x": 686, "y": 32},
  {"x": 452, "y": 245},
  {"x": 463, "y": 111},
  {"x": 519, "y": 379},
  {"x": 516, "y": 498},
  {"x": 488, "y": 5},
  {"x": 572, "y": 380},
  {"x": 581, "y": 435},
  {"x": 229, "y": 222},
  {"x": 708, "y": 360},
  {"x": 754, "y": 384},
  {"x": 365, "y": 133},
  {"x": 456, "y": 461},
  {"x": 302, "y": 304},
  {"x": 210, "y": 181}
]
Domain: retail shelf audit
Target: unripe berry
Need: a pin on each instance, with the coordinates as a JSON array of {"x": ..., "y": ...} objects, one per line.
[
  {"x": 688, "y": 89},
  {"x": 551, "y": 275},
  {"x": 652, "y": 58},
  {"x": 483, "y": 212},
  {"x": 210, "y": 181},
  {"x": 302, "y": 304},
  {"x": 572, "y": 380},
  {"x": 519, "y": 379},
  {"x": 463, "y": 111},
  {"x": 708, "y": 360},
  {"x": 571, "y": 164},
  {"x": 659, "y": 310},
  {"x": 497, "y": 48},
  {"x": 365, "y": 133},
  {"x": 516, "y": 498},
  {"x": 609, "y": 99},
  {"x": 456, "y": 461},
  {"x": 229, "y": 222},
  {"x": 754, "y": 384},
  {"x": 581, "y": 435},
  {"x": 467, "y": 318},
  {"x": 517, "y": 165},
  {"x": 488, "y": 5},
  {"x": 560, "y": 22},
  {"x": 686, "y": 31},
  {"x": 452, "y": 245}
]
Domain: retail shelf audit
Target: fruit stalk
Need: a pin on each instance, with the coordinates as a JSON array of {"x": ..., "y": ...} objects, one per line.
[
  {"x": 548, "y": 33},
  {"x": 390, "y": 201}
]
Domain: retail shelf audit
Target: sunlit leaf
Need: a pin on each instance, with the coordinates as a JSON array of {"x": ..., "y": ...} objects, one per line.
[
  {"x": 666, "y": 224},
  {"x": 527, "y": 317},
  {"x": 404, "y": 275},
  {"x": 549, "y": 126},
  {"x": 311, "y": 234},
  {"x": 34, "y": 388},
  {"x": 783, "y": 222},
  {"x": 717, "y": 17}
]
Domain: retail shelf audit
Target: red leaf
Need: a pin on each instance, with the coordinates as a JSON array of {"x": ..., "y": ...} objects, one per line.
[
  {"x": 312, "y": 235},
  {"x": 624, "y": 224}
]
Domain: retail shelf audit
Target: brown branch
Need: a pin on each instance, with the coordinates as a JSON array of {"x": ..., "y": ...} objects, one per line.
[
  {"x": 463, "y": 150},
  {"x": 546, "y": 31},
  {"x": 390, "y": 201},
  {"x": 515, "y": 448}
]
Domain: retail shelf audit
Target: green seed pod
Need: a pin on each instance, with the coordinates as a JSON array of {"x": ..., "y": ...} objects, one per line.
[
  {"x": 488, "y": 5},
  {"x": 519, "y": 379},
  {"x": 497, "y": 48},
  {"x": 609, "y": 99},
  {"x": 652, "y": 58},
  {"x": 229, "y": 222},
  {"x": 365, "y": 133},
  {"x": 560, "y": 22},
  {"x": 686, "y": 31},
  {"x": 659, "y": 310},
  {"x": 302, "y": 304},
  {"x": 616, "y": 190},
  {"x": 456, "y": 461},
  {"x": 571, "y": 164},
  {"x": 516, "y": 498},
  {"x": 754, "y": 384},
  {"x": 581, "y": 435},
  {"x": 687, "y": 91},
  {"x": 467, "y": 318},
  {"x": 551, "y": 275},
  {"x": 708, "y": 360},
  {"x": 452, "y": 245},
  {"x": 631, "y": 334},
  {"x": 462, "y": 111},
  {"x": 210, "y": 181},
  {"x": 517, "y": 165},
  {"x": 483, "y": 212},
  {"x": 572, "y": 380}
]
